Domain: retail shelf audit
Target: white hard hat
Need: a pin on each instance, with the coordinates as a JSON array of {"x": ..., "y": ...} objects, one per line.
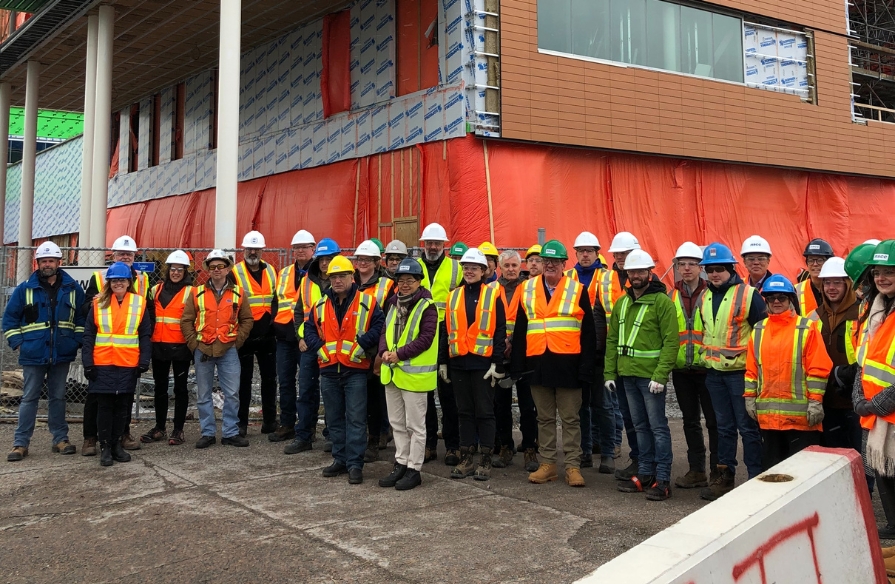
[
  {"x": 48, "y": 249},
  {"x": 434, "y": 232},
  {"x": 178, "y": 257},
  {"x": 396, "y": 247},
  {"x": 254, "y": 240},
  {"x": 474, "y": 255},
  {"x": 873, "y": 242},
  {"x": 367, "y": 249},
  {"x": 586, "y": 239},
  {"x": 833, "y": 268},
  {"x": 639, "y": 260},
  {"x": 688, "y": 249},
  {"x": 125, "y": 243},
  {"x": 624, "y": 241},
  {"x": 755, "y": 244},
  {"x": 217, "y": 254},
  {"x": 301, "y": 237}
]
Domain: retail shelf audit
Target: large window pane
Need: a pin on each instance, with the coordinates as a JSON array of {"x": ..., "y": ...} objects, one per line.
[
  {"x": 663, "y": 25},
  {"x": 728, "y": 47},
  {"x": 553, "y": 25},
  {"x": 590, "y": 28},
  {"x": 628, "y": 31},
  {"x": 696, "y": 42}
]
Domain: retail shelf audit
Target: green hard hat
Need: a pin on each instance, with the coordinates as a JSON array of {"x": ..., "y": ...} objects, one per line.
[
  {"x": 883, "y": 254},
  {"x": 379, "y": 245},
  {"x": 458, "y": 249},
  {"x": 554, "y": 249},
  {"x": 856, "y": 262}
]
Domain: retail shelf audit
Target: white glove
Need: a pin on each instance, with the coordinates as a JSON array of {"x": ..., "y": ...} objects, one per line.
[
  {"x": 656, "y": 387},
  {"x": 610, "y": 385},
  {"x": 751, "y": 408},
  {"x": 443, "y": 373},
  {"x": 493, "y": 375},
  {"x": 815, "y": 412}
]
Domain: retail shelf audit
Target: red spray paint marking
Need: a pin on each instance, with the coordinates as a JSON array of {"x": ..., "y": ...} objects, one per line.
[{"x": 757, "y": 557}]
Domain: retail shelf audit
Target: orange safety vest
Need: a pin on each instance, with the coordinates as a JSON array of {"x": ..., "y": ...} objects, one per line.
[
  {"x": 117, "y": 327},
  {"x": 610, "y": 291},
  {"x": 594, "y": 281},
  {"x": 807, "y": 302},
  {"x": 141, "y": 283},
  {"x": 260, "y": 296},
  {"x": 287, "y": 295},
  {"x": 477, "y": 337},
  {"x": 554, "y": 325},
  {"x": 380, "y": 291},
  {"x": 167, "y": 318},
  {"x": 340, "y": 340},
  {"x": 217, "y": 321},
  {"x": 878, "y": 370}
]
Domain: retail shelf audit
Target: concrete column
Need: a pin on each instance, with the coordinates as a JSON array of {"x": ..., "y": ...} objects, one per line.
[
  {"x": 228, "y": 125},
  {"x": 101, "y": 126},
  {"x": 29, "y": 152},
  {"x": 4, "y": 153},
  {"x": 87, "y": 145}
]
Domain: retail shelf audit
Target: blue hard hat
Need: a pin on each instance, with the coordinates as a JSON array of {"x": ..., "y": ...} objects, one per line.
[
  {"x": 717, "y": 253},
  {"x": 327, "y": 247},
  {"x": 119, "y": 270},
  {"x": 777, "y": 284}
]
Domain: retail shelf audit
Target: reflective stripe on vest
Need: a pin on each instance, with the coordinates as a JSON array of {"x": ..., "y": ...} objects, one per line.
[
  {"x": 878, "y": 370},
  {"x": 477, "y": 337},
  {"x": 555, "y": 325},
  {"x": 287, "y": 295},
  {"x": 594, "y": 282},
  {"x": 807, "y": 302},
  {"x": 167, "y": 318},
  {"x": 446, "y": 279},
  {"x": 68, "y": 323},
  {"x": 689, "y": 331},
  {"x": 726, "y": 335},
  {"x": 309, "y": 289},
  {"x": 626, "y": 345},
  {"x": 260, "y": 296},
  {"x": 224, "y": 326},
  {"x": 117, "y": 331},
  {"x": 610, "y": 291},
  {"x": 340, "y": 339},
  {"x": 418, "y": 373},
  {"x": 380, "y": 290}
]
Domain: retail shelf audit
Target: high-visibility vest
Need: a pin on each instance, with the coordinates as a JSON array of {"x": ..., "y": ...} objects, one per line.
[
  {"x": 260, "y": 296},
  {"x": 447, "y": 278},
  {"x": 217, "y": 321},
  {"x": 878, "y": 370},
  {"x": 287, "y": 295},
  {"x": 380, "y": 291},
  {"x": 594, "y": 282},
  {"x": 726, "y": 335},
  {"x": 511, "y": 306},
  {"x": 417, "y": 374},
  {"x": 167, "y": 318},
  {"x": 310, "y": 296},
  {"x": 555, "y": 325},
  {"x": 689, "y": 332},
  {"x": 340, "y": 339},
  {"x": 787, "y": 365},
  {"x": 628, "y": 336},
  {"x": 117, "y": 331},
  {"x": 476, "y": 337},
  {"x": 807, "y": 302},
  {"x": 141, "y": 282},
  {"x": 856, "y": 336},
  {"x": 610, "y": 291}
]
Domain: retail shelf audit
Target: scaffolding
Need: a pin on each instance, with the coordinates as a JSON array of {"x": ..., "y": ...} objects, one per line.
[{"x": 872, "y": 58}]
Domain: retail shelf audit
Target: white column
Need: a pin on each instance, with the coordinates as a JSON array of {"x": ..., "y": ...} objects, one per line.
[
  {"x": 29, "y": 151},
  {"x": 228, "y": 125},
  {"x": 103, "y": 114},
  {"x": 87, "y": 145},
  {"x": 4, "y": 153}
]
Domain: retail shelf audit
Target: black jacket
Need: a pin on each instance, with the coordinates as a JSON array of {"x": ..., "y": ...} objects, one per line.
[{"x": 112, "y": 378}]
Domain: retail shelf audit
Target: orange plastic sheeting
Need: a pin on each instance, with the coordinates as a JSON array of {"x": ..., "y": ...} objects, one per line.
[
  {"x": 168, "y": 222},
  {"x": 407, "y": 46},
  {"x": 335, "y": 75},
  {"x": 127, "y": 220}
]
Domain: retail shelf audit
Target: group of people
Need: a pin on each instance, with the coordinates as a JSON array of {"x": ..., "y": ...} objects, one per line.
[{"x": 775, "y": 363}]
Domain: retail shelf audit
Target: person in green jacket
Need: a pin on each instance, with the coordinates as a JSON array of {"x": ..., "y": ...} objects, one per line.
[{"x": 641, "y": 351}]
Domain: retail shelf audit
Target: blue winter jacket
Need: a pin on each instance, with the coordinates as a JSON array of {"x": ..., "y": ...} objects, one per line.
[{"x": 49, "y": 338}]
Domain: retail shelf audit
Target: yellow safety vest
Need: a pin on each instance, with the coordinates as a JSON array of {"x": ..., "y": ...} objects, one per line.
[
  {"x": 417, "y": 374},
  {"x": 689, "y": 333},
  {"x": 726, "y": 334},
  {"x": 448, "y": 277},
  {"x": 260, "y": 296}
]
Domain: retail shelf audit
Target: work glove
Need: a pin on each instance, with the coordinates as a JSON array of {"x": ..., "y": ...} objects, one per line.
[
  {"x": 30, "y": 313},
  {"x": 815, "y": 412},
  {"x": 142, "y": 369},
  {"x": 493, "y": 375},
  {"x": 656, "y": 387},
  {"x": 507, "y": 382},
  {"x": 443, "y": 373},
  {"x": 610, "y": 385},
  {"x": 90, "y": 373},
  {"x": 751, "y": 408},
  {"x": 844, "y": 375},
  {"x": 863, "y": 408}
]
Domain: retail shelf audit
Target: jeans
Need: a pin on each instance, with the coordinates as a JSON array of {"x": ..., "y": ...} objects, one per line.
[
  {"x": 160, "y": 370},
  {"x": 287, "y": 376},
  {"x": 778, "y": 445},
  {"x": 587, "y": 440},
  {"x": 112, "y": 412},
  {"x": 619, "y": 418},
  {"x": 265, "y": 350},
  {"x": 695, "y": 402},
  {"x": 475, "y": 407},
  {"x": 308, "y": 403},
  {"x": 603, "y": 420},
  {"x": 228, "y": 377},
  {"x": 628, "y": 422},
  {"x": 653, "y": 435},
  {"x": 345, "y": 402},
  {"x": 726, "y": 389},
  {"x": 528, "y": 415},
  {"x": 55, "y": 376},
  {"x": 407, "y": 415}
]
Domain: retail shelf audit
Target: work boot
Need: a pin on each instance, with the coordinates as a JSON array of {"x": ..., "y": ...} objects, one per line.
[
  {"x": 281, "y": 434},
  {"x": 410, "y": 480},
  {"x": 617, "y": 452},
  {"x": 659, "y": 491},
  {"x": 636, "y": 484},
  {"x": 327, "y": 445},
  {"x": 105, "y": 454},
  {"x": 128, "y": 443},
  {"x": 723, "y": 484},
  {"x": 64, "y": 447},
  {"x": 268, "y": 427},
  {"x": 89, "y": 447},
  {"x": 692, "y": 480},
  {"x": 396, "y": 475},
  {"x": 544, "y": 474},
  {"x": 573, "y": 477},
  {"x": 431, "y": 454},
  {"x": 531, "y": 460},
  {"x": 243, "y": 429},
  {"x": 17, "y": 454},
  {"x": 452, "y": 457},
  {"x": 118, "y": 452},
  {"x": 355, "y": 476},
  {"x": 465, "y": 466},
  {"x": 296, "y": 446},
  {"x": 504, "y": 459},
  {"x": 334, "y": 470},
  {"x": 607, "y": 465},
  {"x": 238, "y": 441},
  {"x": 371, "y": 454},
  {"x": 483, "y": 471},
  {"x": 154, "y": 435},
  {"x": 587, "y": 460},
  {"x": 713, "y": 474},
  {"x": 625, "y": 474},
  {"x": 384, "y": 439}
]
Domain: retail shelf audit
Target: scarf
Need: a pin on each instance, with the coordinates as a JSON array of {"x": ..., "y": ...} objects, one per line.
[
  {"x": 403, "y": 307},
  {"x": 881, "y": 438}
]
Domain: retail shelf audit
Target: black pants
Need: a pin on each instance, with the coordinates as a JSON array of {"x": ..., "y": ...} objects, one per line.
[
  {"x": 375, "y": 405},
  {"x": 431, "y": 419},
  {"x": 112, "y": 412},
  {"x": 265, "y": 351},
  {"x": 91, "y": 405},
  {"x": 528, "y": 415},
  {"x": 695, "y": 402},
  {"x": 842, "y": 429},
  {"x": 503, "y": 417},
  {"x": 160, "y": 369},
  {"x": 475, "y": 407},
  {"x": 887, "y": 496},
  {"x": 778, "y": 445},
  {"x": 450, "y": 429}
]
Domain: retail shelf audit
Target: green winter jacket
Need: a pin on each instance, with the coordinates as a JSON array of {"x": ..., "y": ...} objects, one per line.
[{"x": 650, "y": 350}]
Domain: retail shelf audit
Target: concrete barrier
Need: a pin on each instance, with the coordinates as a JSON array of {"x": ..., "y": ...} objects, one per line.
[{"x": 807, "y": 520}]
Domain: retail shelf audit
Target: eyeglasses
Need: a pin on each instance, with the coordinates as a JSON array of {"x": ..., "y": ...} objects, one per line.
[
  {"x": 688, "y": 264},
  {"x": 756, "y": 259},
  {"x": 552, "y": 262},
  {"x": 217, "y": 267},
  {"x": 888, "y": 273},
  {"x": 406, "y": 281},
  {"x": 113, "y": 281},
  {"x": 176, "y": 270},
  {"x": 586, "y": 250},
  {"x": 715, "y": 269},
  {"x": 306, "y": 246},
  {"x": 535, "y": 260},
  {"x": 366, "y": 260},
  {"x": 815, "y": 261},
  {"x": 773, "y": 298}
]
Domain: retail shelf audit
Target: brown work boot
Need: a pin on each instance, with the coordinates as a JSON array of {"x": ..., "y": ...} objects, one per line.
[
  {"x": 505, "y": 456},
  {"x": 466, "y": 466},
  {"x": 544, "y": 474},
  {"x": 431, "y": 454},
  {"x": 723, "y": 484},
  {"x": 531, "y": 460},
  {"x": 17, "y": 454},
  {"x": 89, "y": 447},
  {"x": 64, "y": 447},
  {"x": 573, "y": 477},
  {"x": 483, "y": 470},
  {"x": 128, "y": 443},
  {"x": 281, "y": 434},
  {"x": 692, "y": 480}
]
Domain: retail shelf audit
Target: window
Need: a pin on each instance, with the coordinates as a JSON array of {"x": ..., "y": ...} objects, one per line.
[
  {"x": 177, "y": 122},
  {"x": 133, "y": 164},
  {"x": 649, "y": 33},
  {"x": 156, "y": 129},
  {"x": 417, "y": 55}
]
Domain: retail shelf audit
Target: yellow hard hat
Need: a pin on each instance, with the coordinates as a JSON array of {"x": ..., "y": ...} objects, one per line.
[
  {"x": 488, "y": 249},
  {"x": 533, "y": 250},
  {"x": 340, "y": 265}
]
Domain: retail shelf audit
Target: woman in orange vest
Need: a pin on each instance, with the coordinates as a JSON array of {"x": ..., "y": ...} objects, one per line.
[
  {"x": 787, "y": 367},
  {"x": 169, "y": 350},
  {"x": 115, "y": 352}
]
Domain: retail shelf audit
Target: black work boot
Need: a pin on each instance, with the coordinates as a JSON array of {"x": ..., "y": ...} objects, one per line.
[
  {"x": 396, "y": 475},
  {"x": 587, "y": 460},
  {"x": 105, "y": 454},
  {"x": 625, "y": 474},
  {"x": 119, "y": 454},
  {"x": 483, "y": 471},
  {"x": 410, "y": 480}
]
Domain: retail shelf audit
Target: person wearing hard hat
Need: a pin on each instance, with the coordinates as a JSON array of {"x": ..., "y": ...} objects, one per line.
[
  {"x": 729, "y": 310},
  {"x": 534, "y": 263},
  {"x": 810, "y": 290},
  {"x": 785, "y": 396},
  {"x": 44, "y": 322},
  {"x": 553, "y": 342},
  {"x": 169, "y": 350},
  {"x": 689, "y": 373},
  {"x": 756, "y": 254},
  {"x": 313, "y": 284},
  {"x": 124, "y": 250},
  {"x": 343, "y": 330},
  {"x": 475, "y": 322},
  {"x": 288, "y": 284},
  {"x": 395, "y": 252},
  {"x": 258, "y": 280},
  {"x": 408, "y": 348},
  {"x": 217, "y": 320},
  {"x": 440, "y": 276},
  {"x": 457, "y": 250},
  {"x": 856, "y": 265},
  {"x": 380, "y": 246},
  {"x": 492, "y": 255},
  {"x": 641, "y": 348},
  {"x": 116, "y": 351}
]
